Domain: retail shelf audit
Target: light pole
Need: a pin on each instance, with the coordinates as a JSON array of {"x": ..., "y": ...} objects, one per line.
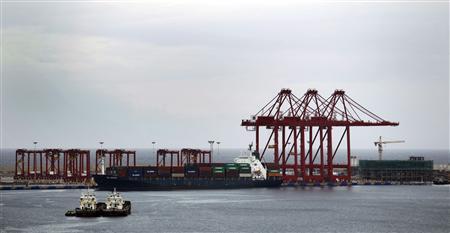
[
  {"x": 211, "y": 143},
  {"x": 34, "y": 159},
  {"x": 218, "y": 143},
  {"x": 102, "y": 160},
  {"x": 153, "y": 144}
]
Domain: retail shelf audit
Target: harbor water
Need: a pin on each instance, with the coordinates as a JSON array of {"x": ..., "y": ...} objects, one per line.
[{"x": 287, "y": 209}]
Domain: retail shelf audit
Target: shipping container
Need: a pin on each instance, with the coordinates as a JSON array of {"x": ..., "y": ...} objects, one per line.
[
  {"x": 112, "y": 171},
  {"x": 205, "y": 172},
  {"x": 177, "y": 175},
  {"x": 205, "y": 169},
  {"x": 273, "y": 174},
  {"x": 245, "y": 170},
  {"x": 178, "y": 170},
  {"x": 232, "y": 170},
  {"x": 150, "y": 172},
  {"x": 245, "y": 175},
  {"x": 191, "y": 171},
  {"x": 205, "y": 175},
  {"x": 232, "y": 173},
  {"x": 220, "y": 175},
  {"x": 122, "y": 171},
  {"x": 218, "y": 170},
  {"x": 191, "y": 174},
  {"x": 134, "y": 171},
  {"x": 164, "y": 171}
]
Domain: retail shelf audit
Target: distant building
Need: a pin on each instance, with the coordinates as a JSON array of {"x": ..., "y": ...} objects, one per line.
[
  {"x": 416, "y": 169},
  {"x": 353, "y": 161}
]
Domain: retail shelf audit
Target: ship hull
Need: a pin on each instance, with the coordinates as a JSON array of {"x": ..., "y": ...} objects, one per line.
[
  {"x": 105, "y": 182},
  {"x": 101, "y": 211},
  {"x": 87, "y": 213}
]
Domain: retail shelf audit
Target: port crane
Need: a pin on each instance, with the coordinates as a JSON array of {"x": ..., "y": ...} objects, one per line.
[
  {"x": 304, "y": 133},
  {"x": 380, "y": 143}
]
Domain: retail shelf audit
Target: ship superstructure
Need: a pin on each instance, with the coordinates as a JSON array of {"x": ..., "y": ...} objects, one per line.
[
  {"x": 88, "y": 201},
  {"x": 114, "y": 201},
  {"x": 258, "y": 171}
]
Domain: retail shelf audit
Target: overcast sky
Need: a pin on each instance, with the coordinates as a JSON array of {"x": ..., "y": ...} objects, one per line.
[{"x": 181, "y": 73}]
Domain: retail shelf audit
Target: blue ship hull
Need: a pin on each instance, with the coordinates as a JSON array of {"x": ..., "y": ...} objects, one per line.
[{"x": 105, "y": 182}]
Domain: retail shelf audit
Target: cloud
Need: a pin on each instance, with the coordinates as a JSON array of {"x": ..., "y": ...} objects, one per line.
[{"x": 187, "y": 72}]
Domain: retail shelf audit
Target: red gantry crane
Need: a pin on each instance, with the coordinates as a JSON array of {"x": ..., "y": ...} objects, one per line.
[
  {"x": 70, "y": 165},
  {"x": 306, "y": 150}
]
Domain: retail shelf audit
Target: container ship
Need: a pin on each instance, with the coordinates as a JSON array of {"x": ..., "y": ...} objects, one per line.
[{"x": 244, "y": 172}]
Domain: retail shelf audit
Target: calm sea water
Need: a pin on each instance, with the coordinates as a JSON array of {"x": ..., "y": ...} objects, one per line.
[{"x": 311, "y": 209}]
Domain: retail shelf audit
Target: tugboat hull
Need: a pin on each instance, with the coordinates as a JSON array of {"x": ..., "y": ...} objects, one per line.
[
  {"x": 101, "y": 211},
  {"x": 87, "y": 213},
  {"x": 118, "y": 213}
]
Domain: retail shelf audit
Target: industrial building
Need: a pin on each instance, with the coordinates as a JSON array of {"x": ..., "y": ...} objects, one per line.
[{"x": 416, "y": 169}]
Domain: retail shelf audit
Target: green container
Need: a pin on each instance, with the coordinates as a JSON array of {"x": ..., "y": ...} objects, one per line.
[
  {"x": 245, "y": 170},
  {"x": 231, "y": 165},
  {"x": 218, "y": 170},
  {"x": 273, "y": 171},
  {"x": 243, "y": 165}
]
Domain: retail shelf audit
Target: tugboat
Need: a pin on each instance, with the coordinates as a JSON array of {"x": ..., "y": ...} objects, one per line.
[
  {"x": 88, "y": 206},
  {"x": 116, "y": 206}
]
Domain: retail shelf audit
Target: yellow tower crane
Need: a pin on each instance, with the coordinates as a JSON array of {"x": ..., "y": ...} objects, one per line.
[{"x": 380, "y": 143}]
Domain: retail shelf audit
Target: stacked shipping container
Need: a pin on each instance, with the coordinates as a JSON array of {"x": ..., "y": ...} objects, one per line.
[{"x": 199, "y": 170}]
